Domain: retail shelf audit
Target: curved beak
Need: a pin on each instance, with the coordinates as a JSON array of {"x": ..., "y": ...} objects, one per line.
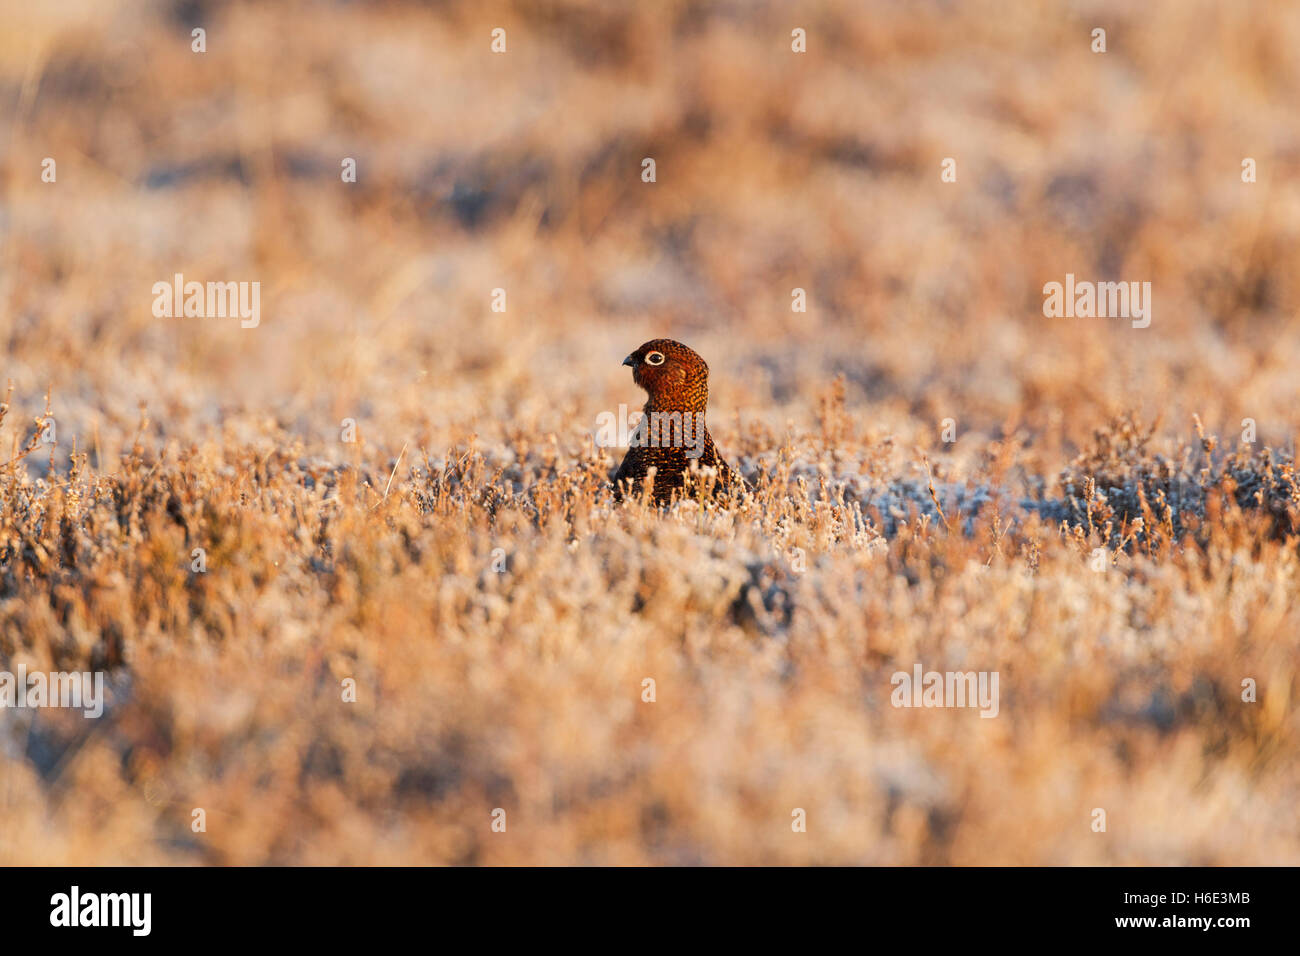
[{"x": 629, "y": 361}]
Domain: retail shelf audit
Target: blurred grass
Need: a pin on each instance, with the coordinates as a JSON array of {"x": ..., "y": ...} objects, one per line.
[{"x": 522, "y": 171}]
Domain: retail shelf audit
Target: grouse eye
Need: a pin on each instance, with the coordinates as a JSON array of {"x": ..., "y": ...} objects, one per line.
[{"x": 654, "y": 358}]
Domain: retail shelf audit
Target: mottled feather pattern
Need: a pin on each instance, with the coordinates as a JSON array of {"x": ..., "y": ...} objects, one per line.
[{"x": 676, "y": 380}]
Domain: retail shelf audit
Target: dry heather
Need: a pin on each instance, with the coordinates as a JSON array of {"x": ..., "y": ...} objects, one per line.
[{"x": 1085, "y": 536}]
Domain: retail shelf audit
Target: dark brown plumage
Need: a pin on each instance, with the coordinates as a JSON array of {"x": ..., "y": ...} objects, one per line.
[{"x": 673, "y": 433}]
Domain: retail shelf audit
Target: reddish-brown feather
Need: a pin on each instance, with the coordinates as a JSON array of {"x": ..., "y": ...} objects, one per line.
[{"x": 680, "y": 385}]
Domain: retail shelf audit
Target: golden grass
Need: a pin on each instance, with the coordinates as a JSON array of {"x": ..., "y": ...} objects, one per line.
[{"x": 522, "y": 689}]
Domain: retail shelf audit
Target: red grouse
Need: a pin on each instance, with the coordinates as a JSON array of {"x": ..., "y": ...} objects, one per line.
[{"x": 672, "y": 434}]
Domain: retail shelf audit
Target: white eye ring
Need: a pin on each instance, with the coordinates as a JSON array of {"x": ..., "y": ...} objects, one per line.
[{"x": 654, "y": 358}]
